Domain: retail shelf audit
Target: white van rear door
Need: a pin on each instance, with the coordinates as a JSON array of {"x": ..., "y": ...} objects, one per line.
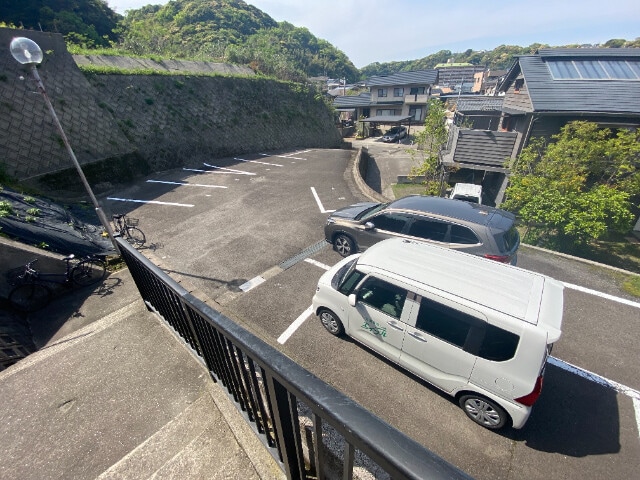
[{"x": 433, "y": 348}]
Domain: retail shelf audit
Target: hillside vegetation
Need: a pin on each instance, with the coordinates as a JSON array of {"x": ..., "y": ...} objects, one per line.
[{"x": 224, "y": 31}]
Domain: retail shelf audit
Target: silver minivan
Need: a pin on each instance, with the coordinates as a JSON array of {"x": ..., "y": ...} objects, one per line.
[{"x": 477, "y": 329}]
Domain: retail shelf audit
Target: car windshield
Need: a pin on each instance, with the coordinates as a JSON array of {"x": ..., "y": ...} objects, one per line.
[
  {"x": 370, "y": 211},
  {"x": 393, "y": 130}
]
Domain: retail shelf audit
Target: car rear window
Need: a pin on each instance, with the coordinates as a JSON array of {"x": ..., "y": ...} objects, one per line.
[{"x": 511, "y": 239}]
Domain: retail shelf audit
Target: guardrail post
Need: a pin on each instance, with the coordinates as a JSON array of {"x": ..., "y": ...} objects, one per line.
[{"x": 285, "y": 417}]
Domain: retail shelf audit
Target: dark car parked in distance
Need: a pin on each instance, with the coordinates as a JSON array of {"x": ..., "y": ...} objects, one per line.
[
  {"x": 394, "y": 134},
  {"x": 473, "y": 228}
]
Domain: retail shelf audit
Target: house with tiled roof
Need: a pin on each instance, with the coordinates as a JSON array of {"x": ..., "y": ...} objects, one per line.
[
  {"x": 396, "y": 98},
  {"x": 541, "y": 93}
]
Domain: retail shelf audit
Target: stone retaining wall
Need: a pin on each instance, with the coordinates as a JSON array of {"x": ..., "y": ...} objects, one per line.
[{"x": 163, "y": 120}]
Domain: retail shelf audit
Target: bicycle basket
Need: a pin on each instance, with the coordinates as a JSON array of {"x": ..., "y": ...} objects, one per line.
[{"x": 131, "y": 222}]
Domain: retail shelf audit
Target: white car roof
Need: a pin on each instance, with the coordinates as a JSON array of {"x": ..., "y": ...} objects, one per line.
[
  {"x": 467, "y": 189},
  {"x": 501, "y": 287}
]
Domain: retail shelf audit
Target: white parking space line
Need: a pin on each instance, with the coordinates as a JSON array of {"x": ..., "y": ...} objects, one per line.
[
  {"x": 257, "y": 161},
  {"x": 251, "y": 284},
  {"x": 594, "y": 377},
  {"x": 602, "y": 295},
  {"x": 295, "y": 325},
  {"x": 186, "y": 184},
  {"x": 155, "y": 202},
  {"x": 226, "y": 170},
  {"x": 636, "y": 407},
  {"x": 315, "y": 195},
  {"x": 317, "y": 264},
  {"x": 284, "y": 156}
]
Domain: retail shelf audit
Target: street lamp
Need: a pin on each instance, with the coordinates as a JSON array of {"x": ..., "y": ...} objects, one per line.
[{"x": 28, "y": 52}]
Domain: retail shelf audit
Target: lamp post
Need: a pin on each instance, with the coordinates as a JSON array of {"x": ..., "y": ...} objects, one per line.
[{"x": 28, "y": 52}]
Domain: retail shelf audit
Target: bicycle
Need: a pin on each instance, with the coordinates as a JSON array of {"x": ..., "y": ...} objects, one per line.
[
  {"x": 127, "y": 228},
  {"x": 30, "y": 292}
]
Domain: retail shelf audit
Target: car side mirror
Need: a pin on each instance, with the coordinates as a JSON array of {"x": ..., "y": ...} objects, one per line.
[
  {"x": 369, "y": 226},
  {"x": 352, "y": 299}
]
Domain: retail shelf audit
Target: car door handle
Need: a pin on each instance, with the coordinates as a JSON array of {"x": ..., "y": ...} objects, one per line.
[
  {"x": 417, "y": 336},
  {"x": 395, "y": 325}
]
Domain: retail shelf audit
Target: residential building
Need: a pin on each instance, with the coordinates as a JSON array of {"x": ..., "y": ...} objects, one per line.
[
  {"x": 397, "y": 98},
  {"x": 486, "y": 81},
  {"x": 542, "y": 92},
  {"x": 457, "y": 77}
]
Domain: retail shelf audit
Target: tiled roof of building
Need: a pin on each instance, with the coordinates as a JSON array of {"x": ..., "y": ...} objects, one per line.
[
  {"x": 593, "y": 95},
  {"x": 479, "y": 103},
  {"x": 417, "y": 77},
  {"x": 352, "y": 101}
]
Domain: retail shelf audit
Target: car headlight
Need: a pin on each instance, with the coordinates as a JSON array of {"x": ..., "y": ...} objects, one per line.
[{"x": 330, "y": 221}]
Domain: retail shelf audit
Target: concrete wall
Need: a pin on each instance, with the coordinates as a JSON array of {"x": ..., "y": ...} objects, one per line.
[
  {"x": 29, "y": 141},
  {"x": 165, "y": 120}
]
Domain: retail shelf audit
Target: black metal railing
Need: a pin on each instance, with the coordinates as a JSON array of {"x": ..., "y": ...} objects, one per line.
[{"x": 270, "y": 390}]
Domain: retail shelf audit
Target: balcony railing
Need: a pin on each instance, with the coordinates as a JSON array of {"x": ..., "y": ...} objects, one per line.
[
  {"x": 416, "y": 99},
  {"x": 271, "y": 390}
]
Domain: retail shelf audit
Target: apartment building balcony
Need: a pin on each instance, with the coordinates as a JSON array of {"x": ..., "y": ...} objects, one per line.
[{"x": 416, "y": 99}]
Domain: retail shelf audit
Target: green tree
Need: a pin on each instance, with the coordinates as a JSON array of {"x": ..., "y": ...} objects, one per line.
[
  {"x": 429, "y": 143},
  {"x": 578, "y": 188}
]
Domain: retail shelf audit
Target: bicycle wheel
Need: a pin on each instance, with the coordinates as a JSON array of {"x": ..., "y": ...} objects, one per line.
[
  {"x": 30, "y": 297},
  {"x": 88, "y": 272},
  {"x": 135, "y": 236}
]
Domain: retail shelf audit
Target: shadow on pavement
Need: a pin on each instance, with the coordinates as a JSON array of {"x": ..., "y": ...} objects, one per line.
[{"x": 574, "y": 416}]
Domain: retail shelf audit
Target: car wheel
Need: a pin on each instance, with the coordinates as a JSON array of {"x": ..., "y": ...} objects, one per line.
[
  {"x": 483, "y": 411},
  {"x": 331, "y": 322},
  {"x": 343, "y": 245}
]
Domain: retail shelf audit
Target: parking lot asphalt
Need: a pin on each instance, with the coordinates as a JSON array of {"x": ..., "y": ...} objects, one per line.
[{"x": 242, "y": 235}]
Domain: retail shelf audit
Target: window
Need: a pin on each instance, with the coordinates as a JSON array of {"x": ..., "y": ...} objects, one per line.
[
  {"x": 590, "y": 69},
  {"x": 416, "y": 113},
  {"x": 383, "y": 296},
  {"x": 621, "y": 69},
  {"x": 518, "y": 85},
  {"x": 444, "y": 322},
  {"x": 385, "y": 111},
  {"x": 428, "y": 229},
  {"x": 416, "y": 91},
  {"x": 498, "y": 344},
  {"x": 463, "y": 235},
  {"x": 563, "y": 69},
  {"x": 398, "y": 92},
  {"x": 382, "y": 92},
  {"x": 350, "y": 281},
  {"x": 511, "y": 238},
  {"x": 391, "y": 222}
]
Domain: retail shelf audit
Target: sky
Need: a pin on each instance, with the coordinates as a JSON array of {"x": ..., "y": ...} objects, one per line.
[{"x": 369, "y": 31}]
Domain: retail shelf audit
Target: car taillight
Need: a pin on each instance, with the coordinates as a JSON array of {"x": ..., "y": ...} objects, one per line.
[
  {"x": 499, "y": 258},
  {"x": 531, "y": 398}
]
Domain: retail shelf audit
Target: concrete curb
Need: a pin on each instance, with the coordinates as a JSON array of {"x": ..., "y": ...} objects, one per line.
[{"x": 579, "y": 259}]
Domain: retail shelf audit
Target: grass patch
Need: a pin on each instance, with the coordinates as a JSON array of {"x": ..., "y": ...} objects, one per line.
[
  {"x": 632, "y": 286},
  {"x": 404, "y": 189}
]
